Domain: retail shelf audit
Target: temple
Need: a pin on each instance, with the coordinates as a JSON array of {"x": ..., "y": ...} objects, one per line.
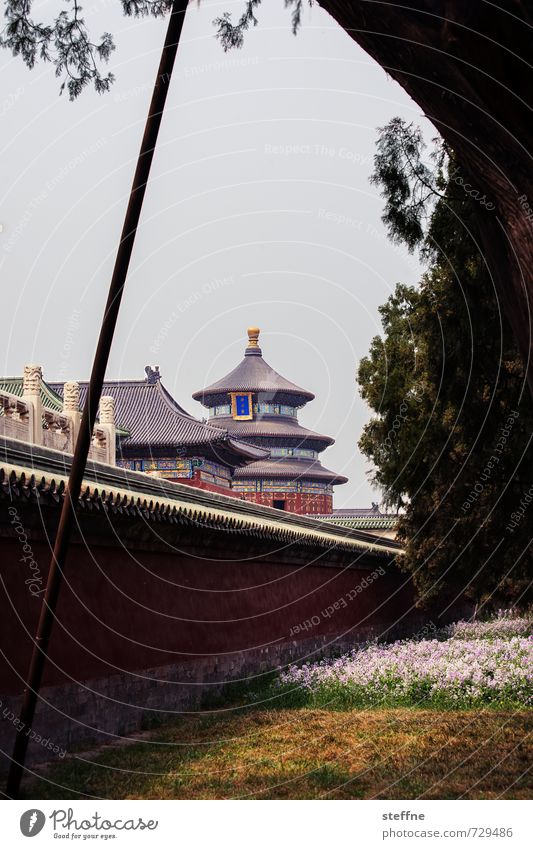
[
  {"x": 165, "y": 441},
  {"x": 252, "y": 447},
  {"x": 257, "y": 405}
]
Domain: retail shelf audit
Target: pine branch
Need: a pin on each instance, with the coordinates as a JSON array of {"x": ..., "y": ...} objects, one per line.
[{"x": 66, "y": 43}]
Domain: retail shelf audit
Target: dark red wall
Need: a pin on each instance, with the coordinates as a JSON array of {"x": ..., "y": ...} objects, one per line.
[{"x": 137, "y": 595}]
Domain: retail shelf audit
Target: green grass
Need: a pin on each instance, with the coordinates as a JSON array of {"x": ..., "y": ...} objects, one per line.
[
  {"x": 342, "y": 697},
  {"x": 302, "y": 753}
]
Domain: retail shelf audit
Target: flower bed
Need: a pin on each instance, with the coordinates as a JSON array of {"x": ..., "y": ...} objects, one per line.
[
  {"x": 504, "y": 626},
  {"x": 483, "y": 670}
]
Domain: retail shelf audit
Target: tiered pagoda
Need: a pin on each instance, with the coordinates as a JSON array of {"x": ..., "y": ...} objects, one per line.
[
  {"x": 255, "y": 404},
  {"x": 165, "y": 441}
]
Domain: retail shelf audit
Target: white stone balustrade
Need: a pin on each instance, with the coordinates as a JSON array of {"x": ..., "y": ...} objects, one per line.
[
  {"x": 107, "y": 427},
  {"x": 15, "y": 417},
  {"x": 31, "y": 393},
  {"x": 26, "y": 419}
]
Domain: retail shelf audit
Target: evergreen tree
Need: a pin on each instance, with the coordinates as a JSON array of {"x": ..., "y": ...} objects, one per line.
[{"x": 451, "y": 441}]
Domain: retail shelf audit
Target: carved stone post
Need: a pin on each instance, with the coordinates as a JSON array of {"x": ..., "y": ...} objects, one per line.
[
  {"x": 107, "y": 422},
  {"x": 71, "y": 408},
  {"x": 31, "y": 393}
]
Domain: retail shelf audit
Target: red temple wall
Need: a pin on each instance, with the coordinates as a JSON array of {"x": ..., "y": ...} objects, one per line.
[
  {"x": 197, "y": 483},
  {"x": 125, "y": 608},
  {"x": 295, "y": 502}
]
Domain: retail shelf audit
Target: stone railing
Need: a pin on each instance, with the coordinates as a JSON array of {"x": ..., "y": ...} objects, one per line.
[
  {"x": 28, "y": 420},
  {"x": 15, "y": 415},
  {"x": 57, "y": 431}
]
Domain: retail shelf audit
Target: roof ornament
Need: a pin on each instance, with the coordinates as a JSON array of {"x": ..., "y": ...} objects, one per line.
[
  {"x": 71, "y": 396},
  {"x": 253, "y": 349},
  {"x": 152, "y": 374},
  {"x": 107, "y": 410},
  {"x": 31, "y": 382}
]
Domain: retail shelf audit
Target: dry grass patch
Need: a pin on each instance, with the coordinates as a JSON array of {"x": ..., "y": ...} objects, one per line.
[{"x": 308, "y": 754}]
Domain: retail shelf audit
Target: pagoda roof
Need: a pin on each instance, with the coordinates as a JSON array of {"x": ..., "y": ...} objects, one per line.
[
  {"x": 253, "y": 374},
  {"x": 290, "y": 467},
  {"x": 155, "y": 420},
  {"x": 274, "y": 426}
]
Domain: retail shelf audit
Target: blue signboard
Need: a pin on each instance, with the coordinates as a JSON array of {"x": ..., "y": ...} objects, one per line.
[{"x": 242, "y": 404}]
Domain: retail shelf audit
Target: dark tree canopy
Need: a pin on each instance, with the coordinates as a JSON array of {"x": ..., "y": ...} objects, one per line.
[{"x": 451, "y": 439}]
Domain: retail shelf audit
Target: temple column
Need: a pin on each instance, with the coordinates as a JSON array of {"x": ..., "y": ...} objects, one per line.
[
  {"x": 31, "y": 394},
  {"x": 107, "y": 423},
  {"x": 71, "y": 409}
]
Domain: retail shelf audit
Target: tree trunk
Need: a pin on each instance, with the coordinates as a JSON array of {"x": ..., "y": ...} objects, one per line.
[{"x": 465, "y": 63}]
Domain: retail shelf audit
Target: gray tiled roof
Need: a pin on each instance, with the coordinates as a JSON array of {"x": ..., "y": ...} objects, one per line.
[
  {"x": 382, "y": 521},
  {"x": 272, "y": 426},
  {"x": 253, "y": 374},
  {"x": 155, "y": 419},
  {"x": 290, "y": 467},
  {"x": 362, "y": 512}
]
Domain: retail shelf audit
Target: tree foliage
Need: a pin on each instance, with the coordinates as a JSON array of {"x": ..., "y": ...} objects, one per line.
[
  {"x": 65, "y": 41},
  {"x": 451, "y": 437},
  {"x": 232, "y": 35}
]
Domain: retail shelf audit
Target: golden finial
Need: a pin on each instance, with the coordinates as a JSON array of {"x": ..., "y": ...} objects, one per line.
[{"x": 253, "y": 337}]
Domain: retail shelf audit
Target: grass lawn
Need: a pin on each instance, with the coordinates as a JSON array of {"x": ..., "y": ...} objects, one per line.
[{"x": 309, "y": 753}]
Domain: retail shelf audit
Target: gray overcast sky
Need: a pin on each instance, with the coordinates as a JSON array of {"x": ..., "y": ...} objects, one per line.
[{"x": 259, "y": 211}]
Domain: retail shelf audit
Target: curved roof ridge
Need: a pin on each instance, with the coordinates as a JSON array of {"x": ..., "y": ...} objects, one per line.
[
  {"x": 173, "y": 404},
  {"x": 293, "y": 467},
  {"x": 273, "y": 426},
  {"x": 151, "y": 415},
  {"x": 154, "y": 418},
  {"x": 254, "y": 374}
]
